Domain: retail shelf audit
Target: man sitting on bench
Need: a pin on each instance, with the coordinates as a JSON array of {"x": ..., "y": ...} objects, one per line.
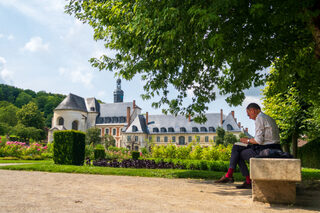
[{"x": 266, "y": 136}]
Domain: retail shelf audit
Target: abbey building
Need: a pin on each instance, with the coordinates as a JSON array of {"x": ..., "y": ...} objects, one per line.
[{"x": 132, "y": 129}]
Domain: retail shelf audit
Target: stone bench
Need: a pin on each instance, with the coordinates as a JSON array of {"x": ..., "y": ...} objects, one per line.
[{"x": 274, "y": 179}]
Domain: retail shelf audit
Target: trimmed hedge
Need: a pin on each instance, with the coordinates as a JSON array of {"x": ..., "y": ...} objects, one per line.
[
  {"x": 99, "y": 153},
  {"x": 69, "y": 147},
  {"x": 135, "y": 155},
  {"x": 309, "y": 154}
]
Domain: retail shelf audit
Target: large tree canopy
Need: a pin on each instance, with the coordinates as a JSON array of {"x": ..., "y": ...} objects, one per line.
[{"x": 203, "y": 46}]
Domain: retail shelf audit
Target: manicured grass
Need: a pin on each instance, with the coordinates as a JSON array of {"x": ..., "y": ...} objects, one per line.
[{"x": 49, "y": 166}]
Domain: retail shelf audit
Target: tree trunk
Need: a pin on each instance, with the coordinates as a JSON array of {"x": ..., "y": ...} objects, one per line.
[
  {"x": 294, "y": 144},
  {"x": 286, "y": 147}
]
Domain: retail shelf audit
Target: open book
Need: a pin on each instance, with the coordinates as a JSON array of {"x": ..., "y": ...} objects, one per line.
[{"x": 240, "y": 144}]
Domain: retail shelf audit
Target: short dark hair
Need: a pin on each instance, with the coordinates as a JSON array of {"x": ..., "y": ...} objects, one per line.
[{"x": 253, "y": 106}]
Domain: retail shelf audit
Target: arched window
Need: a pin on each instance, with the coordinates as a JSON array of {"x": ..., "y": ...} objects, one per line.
[
  {"x": 182, "y": 140},
  {"x": 203, "y": 129},
  {"x": 75, "y": 125},
  {"x": 229, "y": 127},
  {"x": 170, "y": 129},
  {"x": 134, "y": 128},
  {"x": 107, "y": 131},
  {"x": 114, "y": 131},
  {"x": 155, "y": 129},
  {"x": 212, "y": 129},
  {"x": 163, "y": 129},
  {"x": 195, "y": 129},
  {"x": 165, "y": 139},
  {"x": 60, "y": 121},
  {"x": 183, "y": 129}
]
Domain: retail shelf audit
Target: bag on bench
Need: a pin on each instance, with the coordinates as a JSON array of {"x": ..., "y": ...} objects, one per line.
[{"x": 273, "y": 153}]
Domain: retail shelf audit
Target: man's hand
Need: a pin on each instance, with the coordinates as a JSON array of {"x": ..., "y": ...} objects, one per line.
[{"x": 244, "y": 140}]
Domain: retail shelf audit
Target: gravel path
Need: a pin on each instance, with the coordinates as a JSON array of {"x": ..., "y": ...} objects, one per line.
[{"x": 22, "y": 191}]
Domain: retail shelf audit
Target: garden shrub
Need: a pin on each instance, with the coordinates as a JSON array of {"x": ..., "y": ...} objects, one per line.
[
  {"x": 99, "y": 152},
  {"x": 135, "y": 155},
  {"x": 69, "y": 147},
  {"x": 309, "y": 154},
  {"x": 89, "y": 151}
]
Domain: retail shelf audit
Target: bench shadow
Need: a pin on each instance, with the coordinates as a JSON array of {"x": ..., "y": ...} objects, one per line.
[{"x": 307, "y": 198}]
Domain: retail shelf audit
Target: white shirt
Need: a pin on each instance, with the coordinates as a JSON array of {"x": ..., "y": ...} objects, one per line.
[{"x": 267, "y": 131}]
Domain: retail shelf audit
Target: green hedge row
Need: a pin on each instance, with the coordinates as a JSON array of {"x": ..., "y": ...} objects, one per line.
[
  {"x": 69, "y": 147},
  {"x": 310, "y": 154},
  {"x": 220, "y": 166}
]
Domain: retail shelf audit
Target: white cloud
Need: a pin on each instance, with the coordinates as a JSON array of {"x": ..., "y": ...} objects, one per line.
[
  {"x": 35, "y": 44},
  {"x": 1, "y": 35},
  {"x": 10, "y": 37},
  {"x": 78, "y": 75},
  {"x": 5, "y": 74},
  {"x": 252, "y": 99}
]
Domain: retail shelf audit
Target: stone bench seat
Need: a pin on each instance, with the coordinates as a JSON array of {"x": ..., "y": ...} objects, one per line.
[{"x": 274, "y": 179}]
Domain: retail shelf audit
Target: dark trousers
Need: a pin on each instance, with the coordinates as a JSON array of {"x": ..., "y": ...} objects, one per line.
[{"x": 240, "y": 154}]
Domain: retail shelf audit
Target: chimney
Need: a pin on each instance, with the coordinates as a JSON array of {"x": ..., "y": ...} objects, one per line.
[
  {"x": 246, "y": 130},
  {"x": 128, "y": 116},
  {"x": 239, "y": 124},
  {"x": 221, "y": 117},
  {"x": 232, "y": 112},
  {"x": 147, "y": 118},
  {"x": 134, "y": 105},
  {"x": 189, "y": 118}
]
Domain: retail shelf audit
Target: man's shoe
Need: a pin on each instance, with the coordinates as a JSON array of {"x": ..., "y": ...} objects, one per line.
[
  {"x": 225, "y": 179},
  {"x": 245, "y": 185}
]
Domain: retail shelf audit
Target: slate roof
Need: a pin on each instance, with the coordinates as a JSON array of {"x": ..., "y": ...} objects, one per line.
[
  {"x": 73, "y": 102},
  {"x": 176, "y": 122},
  {"x": 115, "y": 109}
]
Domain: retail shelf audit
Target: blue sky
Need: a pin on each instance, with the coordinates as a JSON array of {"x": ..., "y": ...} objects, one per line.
[{"x": 42, "y": 48}]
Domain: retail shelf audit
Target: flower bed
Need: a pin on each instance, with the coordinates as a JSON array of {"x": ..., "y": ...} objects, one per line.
[
  {"x": 163, "y": 164},
  {"x": 22, "y": 150}
]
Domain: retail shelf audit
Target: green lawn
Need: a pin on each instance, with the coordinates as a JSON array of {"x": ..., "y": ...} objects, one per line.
[{"x": 49, "y": 166}]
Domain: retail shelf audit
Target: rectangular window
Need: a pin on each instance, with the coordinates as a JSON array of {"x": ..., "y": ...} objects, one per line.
[
  {"x": 190, "y": 138},
  {"x": 114, "y": 131},
  {"x": 165, "y": 139},
  {"x": 173, "y": 139},
  {"x": 206, "y": 139},
  {"x": 158, "y": 139},
  {"x": 128, "y": 138},
  {"x": 107, "y": 131},
  {"x": 198, "y": 138},
  {"x": 136, "y": 138}
]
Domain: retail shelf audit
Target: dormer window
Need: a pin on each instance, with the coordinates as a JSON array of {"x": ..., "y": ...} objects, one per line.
[
  {"x": 203, "y": 129},
  {"x": 183, "y": 129},
  {"x": 195, "y": 129},
  {"x": 155, "y": 129},
  {"x": 163, "y": 129},
  {"x": 170, "y": 129},
  {"x": 134, "y": 128},
  {"x": 92, "y": 109},
  {"x": 212, "y": 129},
  {"x": 229, "y": 127}
]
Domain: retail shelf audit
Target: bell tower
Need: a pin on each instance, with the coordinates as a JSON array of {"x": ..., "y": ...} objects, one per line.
[{"x": 118, "y": 93}]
